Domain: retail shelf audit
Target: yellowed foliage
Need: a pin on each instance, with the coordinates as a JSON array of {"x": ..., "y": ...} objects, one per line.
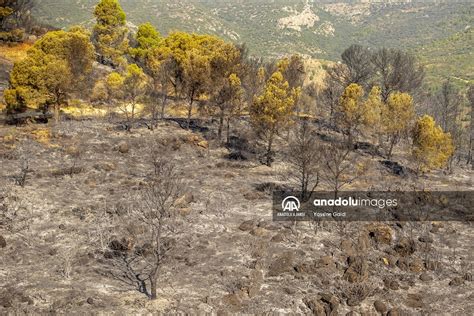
[
  {"x": 14, "y": 53},
  {"x": 42, "y": 135},
  {"x": 84, "y": 110},
  {"x": 432, "y": 147}
]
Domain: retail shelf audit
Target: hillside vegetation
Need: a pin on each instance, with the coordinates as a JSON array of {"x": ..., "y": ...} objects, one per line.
[{"x": 320, "y": 29}]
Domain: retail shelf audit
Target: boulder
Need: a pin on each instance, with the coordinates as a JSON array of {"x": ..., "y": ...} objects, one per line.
[
  {"x": 380, "y": 307},
  {"x": 415, "y": 301},
  {"x": 358, "y": 270},
  {"x": 380, "y": 233},
  {"x": 405, "y": 247},
  {"x": 426, "y": 277},
  {"x": 123, "y": 147},
  {"x": 281, "y": 264},
  {"x": 315, "y": 305}
]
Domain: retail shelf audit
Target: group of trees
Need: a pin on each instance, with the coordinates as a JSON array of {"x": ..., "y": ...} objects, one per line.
[
  {"x": 14, "y": 19},
  {"x": 394, "y": 80},
  {"x": 45, "y": 77},
  {"x": 369, "y": 93}
]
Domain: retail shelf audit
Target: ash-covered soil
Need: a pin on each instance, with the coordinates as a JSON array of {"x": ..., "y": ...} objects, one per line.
[{"x": 235, "y": 258}]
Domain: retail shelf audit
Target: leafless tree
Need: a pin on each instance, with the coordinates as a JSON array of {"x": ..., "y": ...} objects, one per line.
[
  {"x": 303, "y": 156},
  {"x": 330, "y": 94},
  {"x": 359, "y": 68},
  {"x": 137, "y": 260},
  {"x": 397, "y": 70},
  {"x": 338, "y": 167},
  {"x": 448, "y": 113}
]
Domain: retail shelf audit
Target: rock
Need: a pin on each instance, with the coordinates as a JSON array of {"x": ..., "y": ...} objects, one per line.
[
  {"x": 232, "y": 302},
  {"x": 184, "y": 201},
  {"x": 381, "y": 233},
  {"x": 62, "y": 227},
  {"x": 456, "y": 281},
  {"x": 425, "y": 277},
  {"x": 426, "y": 239},
  {"x": 347, "y": 247},
  {"x": 259, "y": 232},
  {"x": 123, "y": 148},
  {"x": 282, "y": 264},
  {"x": 278, "y": 238},
  {"x": 358, "y": 270},
  {"x": 3, "y": 242},
  {"x": 247, "y": 225},
  {"x": 315, "y": 305},
  {"x": 90, "y": 301},
  {"x": 415, "y": 301},
  {"x": 405, "y": 247},
  {"x": 380, "y": 307},
  {"x": 391, "y": 284},
  {"x": 332, "y": 300}
]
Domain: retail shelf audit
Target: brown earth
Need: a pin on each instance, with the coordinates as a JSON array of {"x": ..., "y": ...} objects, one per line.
[{"x": 237, "y": 259}]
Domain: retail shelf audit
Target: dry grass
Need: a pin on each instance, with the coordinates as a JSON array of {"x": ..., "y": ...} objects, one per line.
[{"x": 14, "y": 53}]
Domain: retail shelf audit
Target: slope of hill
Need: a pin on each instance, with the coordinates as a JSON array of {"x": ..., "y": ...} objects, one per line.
[
  {"x": 318, "y": 28},
  {"x": 450, "y": 57}
]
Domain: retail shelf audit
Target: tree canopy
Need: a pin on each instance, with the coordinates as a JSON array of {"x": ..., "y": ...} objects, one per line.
[{"x": 45, "y": 77}]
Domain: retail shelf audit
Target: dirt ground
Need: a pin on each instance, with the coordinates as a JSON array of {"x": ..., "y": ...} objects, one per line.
[{"x": 236, "y": 259}]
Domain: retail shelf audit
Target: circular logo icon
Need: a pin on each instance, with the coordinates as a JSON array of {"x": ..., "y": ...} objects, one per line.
[{"x": 290, "y": 204}]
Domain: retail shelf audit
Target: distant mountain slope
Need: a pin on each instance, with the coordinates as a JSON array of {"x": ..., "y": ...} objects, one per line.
[
  {"x": 451, "y": 57},
  {"x": 319, "y": 28}
]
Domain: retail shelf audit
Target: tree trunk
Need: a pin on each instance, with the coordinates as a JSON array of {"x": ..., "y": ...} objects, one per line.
[
  {"x": 221, "y": 123},
  {"x": 190, "y": 109},
  {"x": 269, "y": 148},
  {"x": 153, "y": 295},
  {"x": 56, "y": 113},
  {"x": 393, "y": 141},
  {"x": 471, "y": 149},
  {"x": 163, "y": 105},
  {"x": 228, "y": 131}
]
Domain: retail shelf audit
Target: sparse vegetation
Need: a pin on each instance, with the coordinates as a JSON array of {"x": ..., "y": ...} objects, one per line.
[{"x": 151, "y": 193}]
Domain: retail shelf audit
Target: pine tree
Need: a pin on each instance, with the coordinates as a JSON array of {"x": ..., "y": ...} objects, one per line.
[
  {"x": 272, "y": 110},
  {"x": 110, "y": 32},
  {"x": 432, "y": 147}
]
